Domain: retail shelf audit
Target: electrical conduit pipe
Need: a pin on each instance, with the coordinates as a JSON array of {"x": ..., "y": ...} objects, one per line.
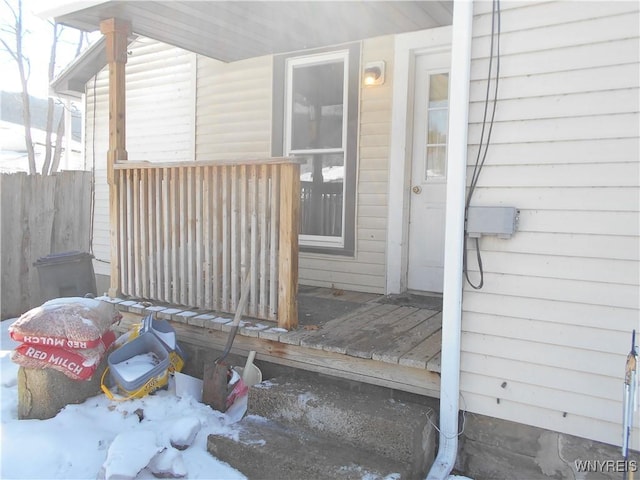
[{"x": 454, "y": 236}]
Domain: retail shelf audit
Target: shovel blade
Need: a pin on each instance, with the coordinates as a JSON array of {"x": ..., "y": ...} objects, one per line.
[{"x": 214, "y": 387}]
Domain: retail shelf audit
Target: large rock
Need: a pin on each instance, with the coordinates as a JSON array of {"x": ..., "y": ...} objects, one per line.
[{"x": 42, "y": 393}]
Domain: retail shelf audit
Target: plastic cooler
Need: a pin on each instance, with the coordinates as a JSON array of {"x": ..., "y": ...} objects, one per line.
[{"x": 153, "y": 379}]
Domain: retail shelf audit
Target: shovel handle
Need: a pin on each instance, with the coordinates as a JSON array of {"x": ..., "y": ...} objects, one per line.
[
  {"x": 242, "y": 304},
  {"x": 250, "y": 358}
]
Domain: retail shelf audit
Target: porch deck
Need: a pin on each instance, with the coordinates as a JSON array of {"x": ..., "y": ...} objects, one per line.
[{"x": 391, "y": 342}]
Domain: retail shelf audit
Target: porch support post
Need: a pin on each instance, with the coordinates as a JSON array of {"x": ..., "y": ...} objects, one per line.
[
  {"x": 116, "y": 32},
  {"x": 288, "y": 248}
]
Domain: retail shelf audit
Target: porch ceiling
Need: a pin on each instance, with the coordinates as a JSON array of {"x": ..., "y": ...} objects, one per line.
[{"x": 236, "y": 30}]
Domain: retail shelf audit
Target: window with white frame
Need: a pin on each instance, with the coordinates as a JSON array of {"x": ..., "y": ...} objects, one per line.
[{"x": 319, "y": 126}]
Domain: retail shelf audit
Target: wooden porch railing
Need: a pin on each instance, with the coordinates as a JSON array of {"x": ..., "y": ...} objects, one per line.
[{"x": 186, "y": 232}]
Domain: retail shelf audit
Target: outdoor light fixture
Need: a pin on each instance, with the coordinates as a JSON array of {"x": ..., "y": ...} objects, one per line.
[{"x": 373, "y": 73}]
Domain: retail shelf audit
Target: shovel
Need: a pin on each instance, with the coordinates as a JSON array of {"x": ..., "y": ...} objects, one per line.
[
  {"x": 250, "y": 373},
  {"x": 216, "y": 377}
]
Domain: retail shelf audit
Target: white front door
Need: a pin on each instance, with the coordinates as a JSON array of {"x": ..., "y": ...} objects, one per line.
[{"x": 428, "y": 172}]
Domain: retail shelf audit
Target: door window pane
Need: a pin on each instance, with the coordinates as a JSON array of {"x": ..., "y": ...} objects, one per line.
[
  {"x": 438, "y": 90},
  {"x": 437, "y": 121},
  {"x": 436, "y": 161},
  {"x": 317, "y": 106},
  {"x": 437, "y": 125}
]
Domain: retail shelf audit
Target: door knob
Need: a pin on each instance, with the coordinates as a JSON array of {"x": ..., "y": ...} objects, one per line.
[{"x": 417, "y": 189}]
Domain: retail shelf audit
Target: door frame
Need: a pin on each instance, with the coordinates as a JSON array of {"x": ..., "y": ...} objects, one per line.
[{"x": 407, "y": 47}]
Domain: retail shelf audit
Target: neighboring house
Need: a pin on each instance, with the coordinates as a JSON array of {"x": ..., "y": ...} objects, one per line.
[
  {"x": 13, "y": 152},
  {"x": 543, "y": 342}
]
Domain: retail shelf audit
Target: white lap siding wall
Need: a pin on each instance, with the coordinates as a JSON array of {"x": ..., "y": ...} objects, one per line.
[{"x": 544, "y": 342}]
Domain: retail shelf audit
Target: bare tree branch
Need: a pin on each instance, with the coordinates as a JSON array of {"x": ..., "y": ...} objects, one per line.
[
  {"x": 57, "y": 153},
  {"x": 21, "y": 60},
  {"x": 9, "y": 50}
]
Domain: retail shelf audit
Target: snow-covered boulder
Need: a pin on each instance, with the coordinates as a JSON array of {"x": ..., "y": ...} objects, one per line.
[
  {"x": 183, "y": 432},
  {"x": 168, "y": 464}
]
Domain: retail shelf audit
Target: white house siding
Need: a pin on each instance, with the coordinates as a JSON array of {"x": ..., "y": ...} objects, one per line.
[
  {"x": 365, "y": 271},
  {"x": 544, "y": 342},
  {"x": 233, "y": 109},
  {"x": 160, "y": 91}
]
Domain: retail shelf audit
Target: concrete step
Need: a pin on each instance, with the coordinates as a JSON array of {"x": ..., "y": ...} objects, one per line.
[
  {"x": 398, "y": 431},
  {"x": 266, "y": 450}
]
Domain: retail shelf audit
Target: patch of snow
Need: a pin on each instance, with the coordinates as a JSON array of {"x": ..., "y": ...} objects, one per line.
[
  {"x": 136, "y": 367},
  {"x": 89, "y": 303},
  {"x": 306, "y": 397},
  {"x": 129, "y": 453},
  {"x": 168, "y": 338},
  {"x": 265, "y": 384},
  {"x": 221, "y": 320}
]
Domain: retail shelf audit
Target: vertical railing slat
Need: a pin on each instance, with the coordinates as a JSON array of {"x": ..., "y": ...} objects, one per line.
[
  {"x": 166, "y": 234},
  {"x": 175, "y": 231},
  {"x": 130, "y": 236},
  {"x": 152, "y": 219},
  {"x": 253, "y": 249},
  {"x": 273, "y": 251},
  {"x": 137, "y": 268},
  {"x": 144, "y": 233},
  {"x": 190, "y": 236},
  {"x": 226, "y": 238},
  {"x": 123, "y": 219},
  {"x": 245, "y": 254},
  {"x": 207, "y": 239},
  {"x": 263, "y": 204},
  {"x": 199, "y": 239},
  {"x": 235, "y": 237},
  {"x": 216, "y": 244},
  {"x": 157, "y": 234}
]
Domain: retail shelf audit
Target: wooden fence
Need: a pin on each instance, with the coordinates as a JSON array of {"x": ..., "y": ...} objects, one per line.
[
  {"x": 41, "y": 215},
  {"x": 187, "y": 232}
]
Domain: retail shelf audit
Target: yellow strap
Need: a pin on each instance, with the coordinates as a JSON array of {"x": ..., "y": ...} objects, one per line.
[{"x": 110, "y": 394}]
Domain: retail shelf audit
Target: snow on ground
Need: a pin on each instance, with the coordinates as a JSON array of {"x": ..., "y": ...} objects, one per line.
[{"x": 105, "y": 435}]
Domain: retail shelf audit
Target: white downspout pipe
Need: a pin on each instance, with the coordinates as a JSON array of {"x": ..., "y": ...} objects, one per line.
[{"x": 454, "y": 236}]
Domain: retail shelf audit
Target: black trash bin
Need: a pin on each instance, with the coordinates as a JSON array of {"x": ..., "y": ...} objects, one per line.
[{"x": 68, "y": 274}]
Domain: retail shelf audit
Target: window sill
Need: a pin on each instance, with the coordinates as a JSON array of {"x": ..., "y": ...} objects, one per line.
[{"x": 336, "y": 251}]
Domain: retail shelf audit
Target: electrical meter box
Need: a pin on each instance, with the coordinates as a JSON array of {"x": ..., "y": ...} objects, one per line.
[{"x": 500, "y": 221}]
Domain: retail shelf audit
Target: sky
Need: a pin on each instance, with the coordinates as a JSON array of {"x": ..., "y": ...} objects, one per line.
[{"x": 37, "y": 44}]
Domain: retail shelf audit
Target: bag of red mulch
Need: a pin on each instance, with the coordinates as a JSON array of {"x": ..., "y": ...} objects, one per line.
[
  {"x": 78, "y": 364},
  {"x": 69, "y": 323}
]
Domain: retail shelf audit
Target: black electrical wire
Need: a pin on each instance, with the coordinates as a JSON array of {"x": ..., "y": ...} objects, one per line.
[{"x": 479, "y": 164}]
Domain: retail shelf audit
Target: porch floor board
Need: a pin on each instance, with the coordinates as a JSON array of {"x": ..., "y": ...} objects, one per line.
[{"x": 347, "y": 334}]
